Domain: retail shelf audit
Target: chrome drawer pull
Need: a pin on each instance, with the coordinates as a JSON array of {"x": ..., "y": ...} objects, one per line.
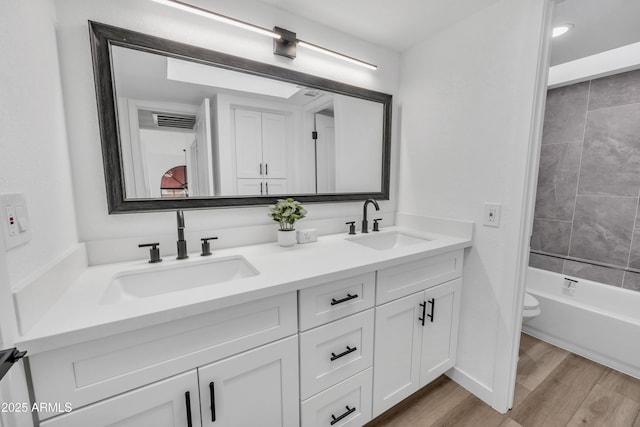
[
  {"x": 344, "y": 353},
  {"x": 335, "y": 419},
  {"x": 345, "y": 299}
]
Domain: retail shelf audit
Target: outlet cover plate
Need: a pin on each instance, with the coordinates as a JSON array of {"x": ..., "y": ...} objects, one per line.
[{"x": 492, "y": 214}]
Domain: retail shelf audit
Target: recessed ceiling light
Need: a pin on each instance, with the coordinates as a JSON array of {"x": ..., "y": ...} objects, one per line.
[{"x": 561, "y": 29}]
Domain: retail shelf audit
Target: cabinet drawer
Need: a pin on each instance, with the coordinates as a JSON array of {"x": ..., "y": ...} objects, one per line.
[
  {"x": 334, "y": 300},
  {"x": 94, "y": 370},
  {"x": 345, "y": 404},
  {"x": 405, "y": 279},
  {"x": 334, "y": 352}
]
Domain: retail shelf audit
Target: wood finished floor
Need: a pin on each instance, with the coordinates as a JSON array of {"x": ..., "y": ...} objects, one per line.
[{"x": 554, "y": 388}]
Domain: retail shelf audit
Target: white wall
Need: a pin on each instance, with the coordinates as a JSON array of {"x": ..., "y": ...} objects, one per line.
[
  {"x": 33, "y": 160},
  {"x": 93, "y": 221},
  {"x": 467, "y": 96},
  {"x": 33, "y": 149}
]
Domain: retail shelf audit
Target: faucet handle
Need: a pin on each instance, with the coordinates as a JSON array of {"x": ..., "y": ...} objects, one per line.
[
  {"x": 352, "y": 227},
  {"x": 206, "y": 248},
  {"x": 154, "y": 252},
  {"x": 376, "y": 227}
]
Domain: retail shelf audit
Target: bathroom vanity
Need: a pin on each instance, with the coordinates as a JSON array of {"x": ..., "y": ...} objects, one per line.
[{"x": 323, "y": 334}]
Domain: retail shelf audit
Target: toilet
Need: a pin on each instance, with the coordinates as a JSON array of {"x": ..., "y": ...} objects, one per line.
[{"x": 531, "y": 307}]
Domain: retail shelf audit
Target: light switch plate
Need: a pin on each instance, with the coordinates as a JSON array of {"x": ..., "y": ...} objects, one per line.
[{"x": 16, "y": 229}]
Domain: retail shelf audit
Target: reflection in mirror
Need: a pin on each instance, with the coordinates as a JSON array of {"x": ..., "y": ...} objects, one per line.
[
  {"x": 239, "y": 134},
  {"x": 205, "y": 133}
]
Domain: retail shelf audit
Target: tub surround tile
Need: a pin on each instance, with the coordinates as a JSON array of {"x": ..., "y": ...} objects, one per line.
[
  {"x": 544, "y": 262},
  {"x": 602, "y": 229},
  {"x": 588, "y": 181},
  {"x": 551, "y": 236},
  {"x": 631, "y": 281},
  {"x": 619, "y": 89},
  {"x": 634, "y": 255},
  {"x": 565, "y": 112},
  {"x": 606, "y": 275},
  {"x": 611, "y": 152},
  {"x": 557, "y": 181}
]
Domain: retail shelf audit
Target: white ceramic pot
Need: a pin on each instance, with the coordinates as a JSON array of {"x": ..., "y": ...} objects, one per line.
[{"x": 286, "y": 237}]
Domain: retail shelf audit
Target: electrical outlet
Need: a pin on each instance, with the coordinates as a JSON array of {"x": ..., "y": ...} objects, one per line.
[{"x": 492, "y": 214}]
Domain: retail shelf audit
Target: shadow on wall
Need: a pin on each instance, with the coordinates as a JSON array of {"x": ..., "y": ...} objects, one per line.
[{"x": 589, "y": 182}]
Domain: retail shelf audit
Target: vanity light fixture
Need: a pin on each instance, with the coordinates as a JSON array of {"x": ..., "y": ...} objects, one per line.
[
  {"x": 217, "y": 17},
  {"x": 284, "y": 41},
  {"x": 337, "y": 55},
  {"x": 561, "y": 29},
  {"x": 287, "y": 43}
]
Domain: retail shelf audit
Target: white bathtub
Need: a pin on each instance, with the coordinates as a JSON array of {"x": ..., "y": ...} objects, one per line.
[{"x": 599, "y": 322}]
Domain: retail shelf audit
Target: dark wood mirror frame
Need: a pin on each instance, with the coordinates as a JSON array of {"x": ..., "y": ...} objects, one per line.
[{"x": 104, "y": 36}]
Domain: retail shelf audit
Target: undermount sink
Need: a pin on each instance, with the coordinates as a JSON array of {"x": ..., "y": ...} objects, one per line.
[
  {"x": 164, "y": 279},
  {"x": 387, "y": 240}
]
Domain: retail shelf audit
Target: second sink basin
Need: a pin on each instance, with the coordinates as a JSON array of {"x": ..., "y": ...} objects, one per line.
[
  {"x": 163, "y": 279},
  {"x": 387, "y": 240}
]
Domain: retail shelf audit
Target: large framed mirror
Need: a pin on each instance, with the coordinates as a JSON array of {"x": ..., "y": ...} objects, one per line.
[{"x": 184, "y": 127}]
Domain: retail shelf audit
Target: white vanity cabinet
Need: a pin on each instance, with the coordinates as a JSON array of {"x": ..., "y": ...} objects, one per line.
[
  {"x": 336, "y": 352},
  {"x": 167, "y": 403},
  {"x": 97, "y": 370},
  {"x": 255, "y": 388},
  {"x": 416, "y": 340}
]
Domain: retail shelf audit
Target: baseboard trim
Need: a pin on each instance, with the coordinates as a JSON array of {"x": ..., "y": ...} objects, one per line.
[{"x": 472, "y": 385}]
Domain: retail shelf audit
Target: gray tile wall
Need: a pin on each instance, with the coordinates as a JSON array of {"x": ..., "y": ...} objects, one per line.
[{"x": 587, "y": 222}]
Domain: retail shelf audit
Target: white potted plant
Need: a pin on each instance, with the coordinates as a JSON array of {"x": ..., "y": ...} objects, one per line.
[{"x": 286, "y": 212}]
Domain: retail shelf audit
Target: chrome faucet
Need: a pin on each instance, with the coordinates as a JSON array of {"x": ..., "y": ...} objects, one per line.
[
  {"x": 365, "y": 223},
  {"x": 182, "y": 244}
]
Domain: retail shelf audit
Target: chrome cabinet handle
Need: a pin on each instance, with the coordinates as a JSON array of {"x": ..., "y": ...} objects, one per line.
[
  {"x": 266, "y": 168},
  {"x": 260, "y": 169},
  {"x": 344, "y": 353},
  {"x": 335, "y": 419},
  {"x": 266, "y": 184},
  {"x": 345, "y": 299}
]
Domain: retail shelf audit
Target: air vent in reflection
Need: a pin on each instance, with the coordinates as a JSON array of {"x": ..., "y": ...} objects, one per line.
[{"x": 177, "y": 121}]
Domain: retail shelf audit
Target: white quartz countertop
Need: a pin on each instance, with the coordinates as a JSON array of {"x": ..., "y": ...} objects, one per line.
[{"x": 80, "y": 314}]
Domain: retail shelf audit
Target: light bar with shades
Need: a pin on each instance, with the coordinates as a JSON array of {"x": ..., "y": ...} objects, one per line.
[{"x": 284, "y": 41}]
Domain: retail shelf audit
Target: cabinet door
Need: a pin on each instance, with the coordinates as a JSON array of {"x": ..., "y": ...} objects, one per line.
[
  {"x": 440, "y": 332},
  {"x": 250, "y": 187},
  {"x": 398, "y": 339},
  {"x": 162, "y": 404},
  {"x": 274, "y": 145},
  {"x": 255, "y": 388},
  {"x": 248, "y": 138},
  {"x": 275, "y": 186}
]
